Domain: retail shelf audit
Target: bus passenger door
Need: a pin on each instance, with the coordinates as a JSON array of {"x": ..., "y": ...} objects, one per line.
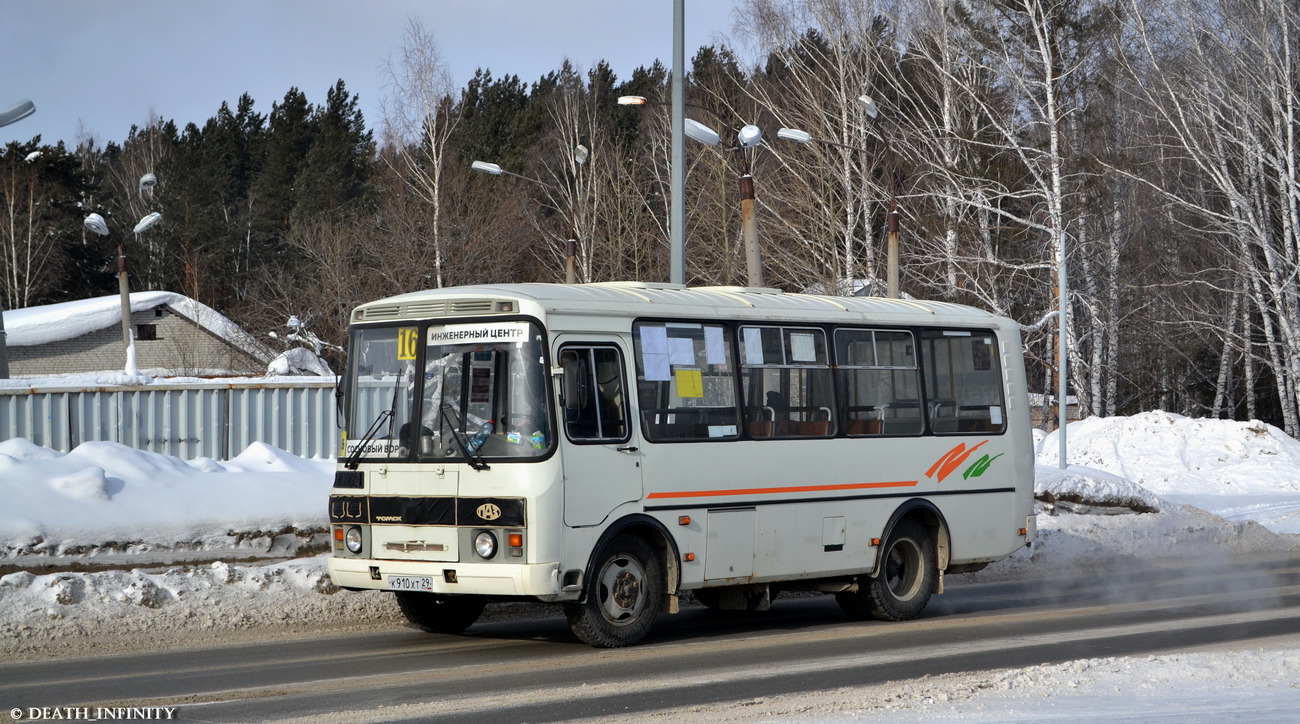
[{"x": 599, "y": 446}]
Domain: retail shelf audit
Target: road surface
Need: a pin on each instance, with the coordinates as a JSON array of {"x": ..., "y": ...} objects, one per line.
[{"x": 533, "y": 670}]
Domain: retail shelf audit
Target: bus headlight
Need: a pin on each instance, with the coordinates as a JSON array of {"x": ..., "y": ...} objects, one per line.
[
  {"x": 485, "y": 544},
  {"x": 353, "y": 539}
]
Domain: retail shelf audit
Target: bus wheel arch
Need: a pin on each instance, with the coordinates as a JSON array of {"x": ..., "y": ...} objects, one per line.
[
  {"x": 656, "y": 536},
  {"x": 625, "y": 586},
  {"x": 924, "y": 512},
  {"x": 907, "y": 569}
]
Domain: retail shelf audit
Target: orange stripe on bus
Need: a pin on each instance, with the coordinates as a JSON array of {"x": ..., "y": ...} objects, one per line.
[{"x": 793, "y": 489}]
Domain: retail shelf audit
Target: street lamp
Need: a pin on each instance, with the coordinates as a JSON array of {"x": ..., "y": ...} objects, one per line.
[
  {"x": 891, "y": 219},
  {"x": 96, "y": 223},
  {"x": 580, "y": 156},
  {"x": 749, "y": 138},
  {"x": 17, "y": 112}
]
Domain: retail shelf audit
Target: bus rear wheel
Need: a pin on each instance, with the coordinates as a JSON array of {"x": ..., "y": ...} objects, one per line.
[
  {"x": 624, "y": 597},
  {"x": 901, "y": 588},
  {"x": 440, "y": 614}
]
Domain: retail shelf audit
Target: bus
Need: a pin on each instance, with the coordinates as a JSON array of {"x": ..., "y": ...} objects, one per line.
[{"x": 609, "y": 447}]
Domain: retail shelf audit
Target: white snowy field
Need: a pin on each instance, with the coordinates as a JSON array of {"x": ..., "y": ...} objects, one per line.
[{"x": 1207, "y": 485}]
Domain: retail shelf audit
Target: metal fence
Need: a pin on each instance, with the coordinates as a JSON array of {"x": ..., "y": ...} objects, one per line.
[{"x": 187, "y": 420}]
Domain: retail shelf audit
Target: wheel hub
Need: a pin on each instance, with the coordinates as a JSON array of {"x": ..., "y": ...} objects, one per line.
[{"x": 626, "y": 590}]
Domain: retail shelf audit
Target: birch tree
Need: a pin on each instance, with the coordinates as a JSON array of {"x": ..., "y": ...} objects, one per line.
[
  {"x": 1220, "y": 79},
  {"x": 1016, "y": 74},
  {"x": 420, "y": 117}
]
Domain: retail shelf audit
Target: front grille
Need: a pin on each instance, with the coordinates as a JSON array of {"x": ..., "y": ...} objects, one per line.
[{"x": 428, "y": 309}]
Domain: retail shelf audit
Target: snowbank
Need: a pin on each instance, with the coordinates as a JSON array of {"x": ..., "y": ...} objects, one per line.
[
  {"x": 104, "y": 497},
  {"x": 1169, "y": 454}
]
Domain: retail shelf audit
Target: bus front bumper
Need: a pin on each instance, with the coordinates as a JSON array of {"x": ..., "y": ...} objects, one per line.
[{"x": 479, "y": 579}]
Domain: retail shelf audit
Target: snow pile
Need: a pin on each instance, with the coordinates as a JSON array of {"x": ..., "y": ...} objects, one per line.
[
  {"x": 1092, "y": 491},
  {"x": 1240, "y": 471},
  {"x": 105, "y": 497},
  {"x": 58, "y": 613},
  {"x": 1256, "y": 685},
  {"x": 1171, "y": 454},
  {"x": 299, "y": 361}
]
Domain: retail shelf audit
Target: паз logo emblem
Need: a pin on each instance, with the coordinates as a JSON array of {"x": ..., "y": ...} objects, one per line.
[{"x": 488, "y": 511}]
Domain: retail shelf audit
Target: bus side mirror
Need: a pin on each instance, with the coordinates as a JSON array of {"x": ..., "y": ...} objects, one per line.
[{"x": 573, "y": 388}]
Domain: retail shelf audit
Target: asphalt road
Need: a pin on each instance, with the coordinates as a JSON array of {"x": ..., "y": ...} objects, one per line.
[{"x": 533, "y": 670}]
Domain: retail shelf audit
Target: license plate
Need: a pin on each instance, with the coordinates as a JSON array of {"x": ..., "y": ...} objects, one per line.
[{"x": 410, "y": 583}]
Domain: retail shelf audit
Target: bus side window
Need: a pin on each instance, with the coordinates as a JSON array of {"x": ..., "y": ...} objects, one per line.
[
  {"x": 963, "y": 382},
  {"x": 786, "y": 382},
  {"x": 686, "y": 385},
  {"x": 593, "y": 394},
  {"x": 880, "y": 393}
]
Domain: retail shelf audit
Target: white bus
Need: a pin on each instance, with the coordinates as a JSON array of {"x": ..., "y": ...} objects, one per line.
[{"x": 611, "y": 446}]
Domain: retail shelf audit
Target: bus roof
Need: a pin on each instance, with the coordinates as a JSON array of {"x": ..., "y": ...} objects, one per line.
[{"x": 651, "y": 299}]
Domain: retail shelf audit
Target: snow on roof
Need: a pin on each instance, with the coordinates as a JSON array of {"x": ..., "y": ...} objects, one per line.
[{"x": 33, "y": 326}]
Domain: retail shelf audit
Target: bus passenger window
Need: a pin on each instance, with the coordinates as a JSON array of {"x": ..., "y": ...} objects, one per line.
[
  {"x": 786, "y": 382},
  {"x": 963, "y": 382},
  {"x": 686, "y": 388},
  {"x": 592, "y": 399},
  {"x": 880, "y": 393}
]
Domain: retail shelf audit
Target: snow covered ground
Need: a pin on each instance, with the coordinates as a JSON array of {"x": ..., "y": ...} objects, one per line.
[{"x": 1206, "y": 485}]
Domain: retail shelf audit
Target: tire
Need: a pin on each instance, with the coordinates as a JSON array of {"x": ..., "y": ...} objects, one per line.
[
  {"x": 908, "y": 567},
  {"x": 440, "y": 614},
  {"x": 623, "y": 597}
]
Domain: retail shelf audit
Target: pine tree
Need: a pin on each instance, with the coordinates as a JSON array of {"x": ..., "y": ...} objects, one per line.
[{"x": 335, "y": 170}]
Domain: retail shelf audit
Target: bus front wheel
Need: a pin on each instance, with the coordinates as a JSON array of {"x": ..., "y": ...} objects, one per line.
[
  {"x": 624, "y": 598},
  {"x": 901, "y": 587},
  {"x": 440, "y": 614}
]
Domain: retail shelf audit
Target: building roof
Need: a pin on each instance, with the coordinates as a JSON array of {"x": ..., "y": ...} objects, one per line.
[{"x": 32, "y": 326}]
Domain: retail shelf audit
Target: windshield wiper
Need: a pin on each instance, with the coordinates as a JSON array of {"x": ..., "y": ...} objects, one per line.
[
  {"x": 354, "y": 459},
  {"x": 475, "y": 460},
  {"x": 390, "y": 414}
]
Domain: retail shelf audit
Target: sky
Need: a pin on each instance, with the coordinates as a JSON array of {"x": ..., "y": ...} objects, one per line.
[{"x": 97, "y": 67}]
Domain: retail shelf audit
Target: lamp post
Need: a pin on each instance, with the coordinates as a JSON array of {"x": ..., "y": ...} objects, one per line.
[
  {"x": 96, "y": 223},
  {"x": 580, "y": 156},
  {"x": 891, "y": 218},
  {"x": 14, "y": 113},
  {"x": 749, "y": 138},
  {"x": 891, "y": 227}
]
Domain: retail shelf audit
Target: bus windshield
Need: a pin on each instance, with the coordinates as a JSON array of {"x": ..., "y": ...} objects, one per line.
[{"x": 481, "y": 393}]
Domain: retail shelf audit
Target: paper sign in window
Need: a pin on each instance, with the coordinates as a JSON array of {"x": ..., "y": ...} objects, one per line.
[
  {"x": 690, "y": 383},
  {"x": 654, "y": 354},
  {"x": 803, "y": 347},
  {"x": 753, "y": 346},
  {"x": 715, "y": 350},
  {"x": 681, "y": 351}
]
